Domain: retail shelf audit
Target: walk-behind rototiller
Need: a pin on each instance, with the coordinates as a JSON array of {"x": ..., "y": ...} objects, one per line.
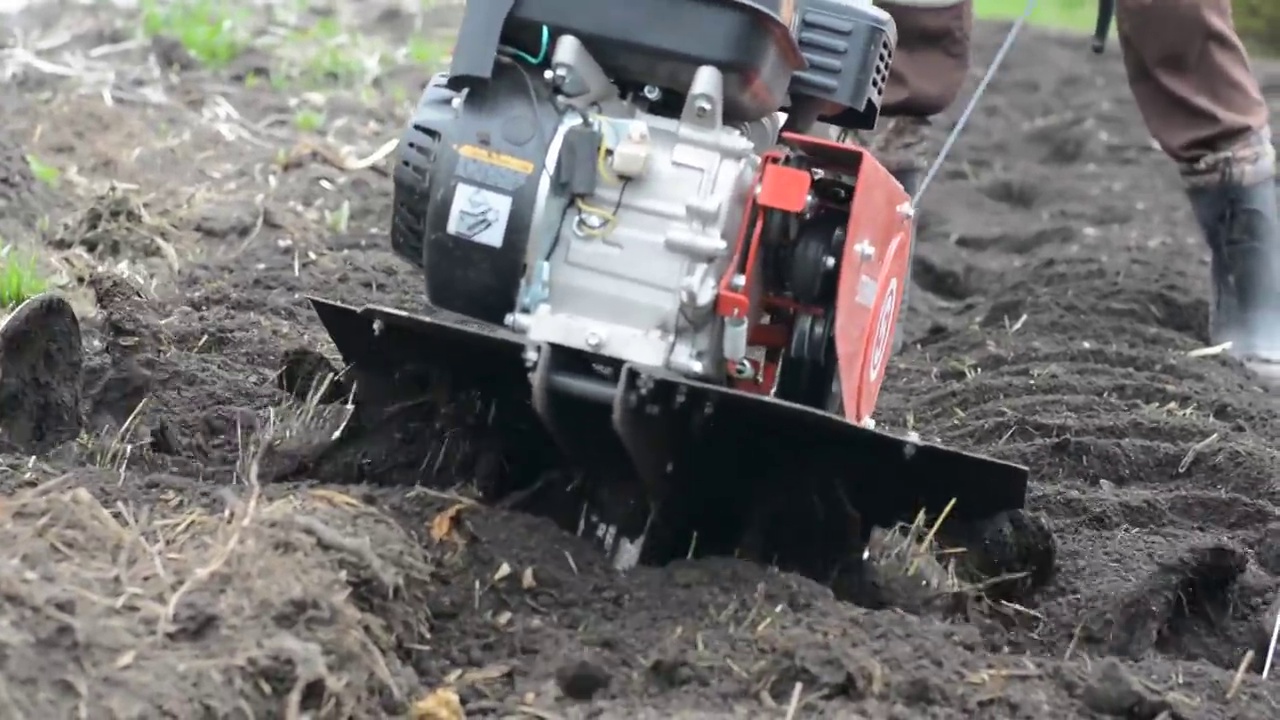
[{"x": 653, "y": 294}]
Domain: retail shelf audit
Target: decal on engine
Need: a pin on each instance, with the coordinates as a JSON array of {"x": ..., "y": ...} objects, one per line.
[
  {"x": 479, "y": 215},
  {"x": 490, "y": 167},
  {"x": 493, "y": 157}
]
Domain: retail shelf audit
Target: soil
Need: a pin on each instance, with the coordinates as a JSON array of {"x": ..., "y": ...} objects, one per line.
[{"x": 153, "y": 569}]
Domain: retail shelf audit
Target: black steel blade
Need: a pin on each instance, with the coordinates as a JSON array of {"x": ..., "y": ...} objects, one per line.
[{"x": 800, "y": 488}]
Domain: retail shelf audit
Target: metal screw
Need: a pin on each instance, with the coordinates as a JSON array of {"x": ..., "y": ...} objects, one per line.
[
  {"x": 865, "y": 250},
  {"x": 828, "y": 263},
  {"x": 702, "y": 107},
  {"x": 652, "y": 93},
  {"x": 906, "y": 211},
  {"x": 738, "y": 282},
  {"x": 594, "y": 341}
]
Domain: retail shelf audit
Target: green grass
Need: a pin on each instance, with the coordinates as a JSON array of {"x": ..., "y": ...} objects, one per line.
[
  {"x": 1258, "y": 21},
  {"x": 19, "y": 280},
  {"x": 307, "y": 120},
  {"x": 44, "y": 172},
  {"x": 1259, "y": 24},
  {"x": 1060, "y": 14},
  {"x": 212, "y": 32}
]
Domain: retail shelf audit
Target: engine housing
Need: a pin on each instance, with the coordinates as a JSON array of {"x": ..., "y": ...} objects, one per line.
[
  {"x": 466, "y": 188},
  {"x": 576, "y": 213},
  {"x": 633, "y": 270}
]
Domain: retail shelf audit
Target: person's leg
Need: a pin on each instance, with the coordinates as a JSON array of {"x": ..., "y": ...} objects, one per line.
[
  {"x": 932, "y": 57},
  {"x": 929, "y": 68},
  {"x": 1191, "y": 79}
]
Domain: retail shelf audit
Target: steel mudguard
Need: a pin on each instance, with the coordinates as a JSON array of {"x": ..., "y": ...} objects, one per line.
[{"x": 675, "y": 461}]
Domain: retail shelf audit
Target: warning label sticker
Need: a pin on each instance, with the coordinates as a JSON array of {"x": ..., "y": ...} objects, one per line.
[
  {"x": 493, "y": 157},
  {"x": 479, "y": 215}
]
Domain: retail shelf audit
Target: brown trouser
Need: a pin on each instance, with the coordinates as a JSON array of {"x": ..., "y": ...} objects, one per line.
[{"x": 1187, "y": 68}]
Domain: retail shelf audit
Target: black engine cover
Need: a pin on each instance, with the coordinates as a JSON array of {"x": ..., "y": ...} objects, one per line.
[
  {"x": 465, "y": 183},
  {"x": 811, "y": 56}
]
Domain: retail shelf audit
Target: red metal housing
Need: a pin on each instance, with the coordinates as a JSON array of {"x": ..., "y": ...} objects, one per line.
[{"x": 873, "y": 269}]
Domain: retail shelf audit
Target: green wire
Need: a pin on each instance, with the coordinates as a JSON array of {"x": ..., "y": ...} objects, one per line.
[{"x": 542, "y": 54}]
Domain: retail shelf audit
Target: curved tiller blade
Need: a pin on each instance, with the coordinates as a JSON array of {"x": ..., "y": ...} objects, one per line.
[
  {"x": 789, "y": 485},
  {"x": 448, "y": 387},
  {"x": 545, "y": 409}
]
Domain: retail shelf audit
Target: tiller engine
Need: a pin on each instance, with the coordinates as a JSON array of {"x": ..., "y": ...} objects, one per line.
[{"x": 645, "y": 281}]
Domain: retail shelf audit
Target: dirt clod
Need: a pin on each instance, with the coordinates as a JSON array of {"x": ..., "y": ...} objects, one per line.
[
  {"x": 1267, "y": 549},
  {"x": 1180, "y": 596},
  {"x": 307, "y": 375},
  {"x": 1113, "y": 691},
  {"x": 294, "y": 638},
  {"x": 581, "y": 680},
  {"x": 41, "y": 366}
]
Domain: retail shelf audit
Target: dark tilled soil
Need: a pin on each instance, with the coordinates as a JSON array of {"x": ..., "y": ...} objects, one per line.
[{"x": 151, "y": 569}]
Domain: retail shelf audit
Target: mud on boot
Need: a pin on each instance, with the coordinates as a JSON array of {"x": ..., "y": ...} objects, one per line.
[
  {"x": 41, "y": 362},
  {"x": 1241, "y": 226}
]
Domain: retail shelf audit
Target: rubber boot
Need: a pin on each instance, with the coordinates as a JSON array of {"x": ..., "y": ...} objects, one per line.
[
  {"x": 1241, "y": 226},
  {"x": 909, "y": 176}
]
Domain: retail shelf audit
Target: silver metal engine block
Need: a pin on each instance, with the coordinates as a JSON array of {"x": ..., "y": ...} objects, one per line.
[{"x": 632, "y": 271}]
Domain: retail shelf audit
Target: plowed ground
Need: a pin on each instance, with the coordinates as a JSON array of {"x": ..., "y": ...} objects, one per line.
[{"x": 151, "y": 569}]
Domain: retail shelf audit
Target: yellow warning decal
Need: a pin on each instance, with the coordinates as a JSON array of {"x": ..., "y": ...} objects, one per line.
[{"x": 502, "y": 160}]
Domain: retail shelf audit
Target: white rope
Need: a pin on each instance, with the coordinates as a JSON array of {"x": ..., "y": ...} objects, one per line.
[{"x": 1271, "y": 650}]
